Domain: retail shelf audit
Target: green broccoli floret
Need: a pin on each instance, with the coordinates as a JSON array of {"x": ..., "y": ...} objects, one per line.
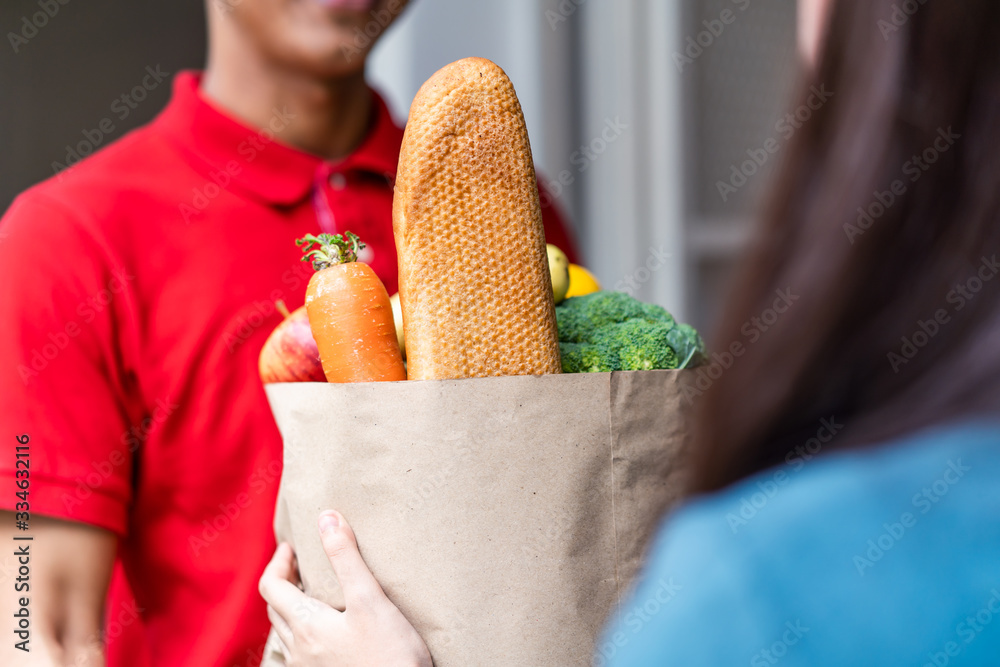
[
  {"x": 587, "y": 358},
  {"x": 573, "y": 326},
  {"x": 640, "y": 345},
  {"x": 611, "y": 331},
  {"x": 653, "y": 313},
  {"x": 580, "y": 317}
]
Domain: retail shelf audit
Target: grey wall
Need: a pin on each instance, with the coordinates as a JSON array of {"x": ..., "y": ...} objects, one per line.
[
  {"x": 735, "y": 92},
  {"x": 65, "y": 79}
]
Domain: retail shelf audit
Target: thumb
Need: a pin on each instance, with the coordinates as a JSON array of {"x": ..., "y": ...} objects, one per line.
[{"x": 341, "y": 546}]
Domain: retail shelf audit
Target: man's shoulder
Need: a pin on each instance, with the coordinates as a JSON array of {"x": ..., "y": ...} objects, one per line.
[{"x": 102, "y": 189}]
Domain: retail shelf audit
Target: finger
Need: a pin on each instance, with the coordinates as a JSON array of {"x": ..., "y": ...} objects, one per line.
[
  {"x": 276, "y": 585},
  {"x": 284, "y": 631},
  {"x": 341, "y": 547},
  {"x": 283, "y": 562}
]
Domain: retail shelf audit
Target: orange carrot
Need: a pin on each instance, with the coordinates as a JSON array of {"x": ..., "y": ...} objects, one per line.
[{"x": 349, "y": 313}]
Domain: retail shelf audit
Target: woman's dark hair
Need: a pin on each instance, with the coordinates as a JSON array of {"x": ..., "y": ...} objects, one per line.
[{"x": 884, "y": 225}]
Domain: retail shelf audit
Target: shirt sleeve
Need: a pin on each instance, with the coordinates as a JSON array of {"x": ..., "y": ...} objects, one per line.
[
  {"x": 557, "y": 231},
  {"x": 63, "y": 307}
]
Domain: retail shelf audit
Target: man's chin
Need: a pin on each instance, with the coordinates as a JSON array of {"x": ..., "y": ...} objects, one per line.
[
  {"x": 364, "y": 6},
  {"x": 332, "y": 63}
]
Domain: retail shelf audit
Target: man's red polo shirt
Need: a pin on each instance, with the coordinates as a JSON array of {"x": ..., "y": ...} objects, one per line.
[{"x": 138, "y": 290}]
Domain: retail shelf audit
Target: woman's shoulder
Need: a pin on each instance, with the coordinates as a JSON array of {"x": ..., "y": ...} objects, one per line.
[
  {"x": 813, "y": 483},
  {"x": 879, "y": 553}
]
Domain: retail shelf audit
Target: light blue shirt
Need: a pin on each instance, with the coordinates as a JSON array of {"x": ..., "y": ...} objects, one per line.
[{"x": 882, "y": 556}]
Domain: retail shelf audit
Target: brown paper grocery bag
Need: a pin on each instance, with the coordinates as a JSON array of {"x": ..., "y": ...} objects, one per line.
[{"x": 504, "y": 516}]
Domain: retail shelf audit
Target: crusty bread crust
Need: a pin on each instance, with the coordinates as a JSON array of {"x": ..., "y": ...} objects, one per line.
[{"x": 473, "y": 269}]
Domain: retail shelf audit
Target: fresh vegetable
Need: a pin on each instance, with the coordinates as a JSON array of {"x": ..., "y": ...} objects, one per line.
[
  {"x": 559, "y": 268},
  {"x": 397, "y": 318},
  {"x": 349, "y": 313},
  {"x": 580, "y": 318},
  {"x": 587, "y": 358},
  {"x": 290, "y": 353},
  {"x": 611, "y": 331},
  {"x": 581, "y": 282},
  {"x": 641, "y": 345},
  {"x": 688, "y": 345}
]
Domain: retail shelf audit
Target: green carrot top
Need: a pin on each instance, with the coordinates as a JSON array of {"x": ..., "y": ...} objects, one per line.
[{"x": 332, "y": 249}]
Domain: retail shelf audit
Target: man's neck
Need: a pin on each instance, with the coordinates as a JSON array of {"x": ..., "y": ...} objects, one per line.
[{"x": 330, "y": 117}]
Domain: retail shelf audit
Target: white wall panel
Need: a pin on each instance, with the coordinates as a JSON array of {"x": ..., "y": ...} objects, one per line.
[{"x": 433, "y": 33}]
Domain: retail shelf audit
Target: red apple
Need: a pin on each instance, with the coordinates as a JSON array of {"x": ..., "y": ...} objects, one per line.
[{"x": 290, "y": 353}]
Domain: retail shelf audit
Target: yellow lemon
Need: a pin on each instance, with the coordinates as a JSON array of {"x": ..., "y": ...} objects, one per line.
[
  {"x": 397, "y": 318},
  {"x": 581, "y": 282},
  {"x": 559, "y": 268}
]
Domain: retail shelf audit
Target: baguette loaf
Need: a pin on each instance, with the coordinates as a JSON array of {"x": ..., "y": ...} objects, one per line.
[{"x": 473, "y": 270}]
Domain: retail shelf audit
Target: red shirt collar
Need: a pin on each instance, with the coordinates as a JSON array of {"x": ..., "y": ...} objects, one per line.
[{"x": 265, "y": 168}]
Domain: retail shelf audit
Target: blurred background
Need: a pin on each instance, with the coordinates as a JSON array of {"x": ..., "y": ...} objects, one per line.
[{"x": 636, "y": 109}]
